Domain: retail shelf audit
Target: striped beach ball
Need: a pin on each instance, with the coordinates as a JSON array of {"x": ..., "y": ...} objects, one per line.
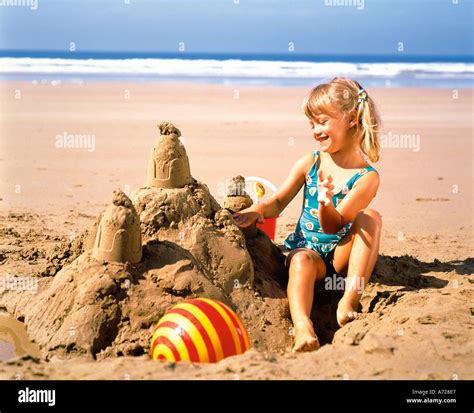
[{"x": 199, "y": 330}]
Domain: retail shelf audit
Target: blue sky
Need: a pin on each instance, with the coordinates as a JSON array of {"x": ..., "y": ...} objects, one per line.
[{"x": 426, "y": 27}]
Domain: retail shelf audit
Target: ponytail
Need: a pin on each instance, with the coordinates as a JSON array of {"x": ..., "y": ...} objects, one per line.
[{"x": 368, "y": 125}]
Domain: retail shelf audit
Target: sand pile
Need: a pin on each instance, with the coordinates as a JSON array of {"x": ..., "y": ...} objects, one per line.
[{"x": 169, "y": 242}]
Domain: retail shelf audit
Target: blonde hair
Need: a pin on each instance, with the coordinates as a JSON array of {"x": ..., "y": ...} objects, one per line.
[{"x": 343, "y": 94}]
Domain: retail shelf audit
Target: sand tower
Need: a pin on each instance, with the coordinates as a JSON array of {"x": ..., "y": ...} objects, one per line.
[
  {"x": 181, "y": 210},
  {"x": 118, "y": 236},
  {"x": 238, "y": 199},
  {"x": 169, "y": 164}
]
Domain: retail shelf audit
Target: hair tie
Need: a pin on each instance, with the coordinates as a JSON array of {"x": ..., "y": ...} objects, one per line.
[{"x": 361, "y": 96}]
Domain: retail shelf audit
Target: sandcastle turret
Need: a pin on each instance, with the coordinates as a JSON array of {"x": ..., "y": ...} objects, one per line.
[
  {"x": 118, "y": 236},
  {"x": 169, "y": 164},
  {"x": 238, "y": 199}
]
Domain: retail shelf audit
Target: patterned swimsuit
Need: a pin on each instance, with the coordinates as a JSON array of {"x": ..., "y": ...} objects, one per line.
[{"x": 308, "y": 232}]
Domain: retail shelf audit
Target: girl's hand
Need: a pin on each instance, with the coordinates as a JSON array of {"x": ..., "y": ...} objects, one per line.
[
  {"x": 325, "y": 188},
  {"x": 247, "y": 217}
]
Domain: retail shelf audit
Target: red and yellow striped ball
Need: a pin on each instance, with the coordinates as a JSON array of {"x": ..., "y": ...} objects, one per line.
[{"x": 199, "y": 330}]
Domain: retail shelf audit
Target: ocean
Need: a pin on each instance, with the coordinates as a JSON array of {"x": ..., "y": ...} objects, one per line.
[{"x": 238, "y": 69}]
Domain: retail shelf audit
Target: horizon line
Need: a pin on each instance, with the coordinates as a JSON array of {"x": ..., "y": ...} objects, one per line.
[{"x": 349, "y": 57}]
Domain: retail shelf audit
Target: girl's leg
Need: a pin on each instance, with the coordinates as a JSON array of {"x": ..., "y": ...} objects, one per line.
[
  {"x": 306, "y": 267},
  {"x": 357, "y": 254}
]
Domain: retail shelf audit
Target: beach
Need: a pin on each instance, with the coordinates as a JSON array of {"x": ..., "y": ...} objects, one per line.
[{"x": 66, "y": 146}]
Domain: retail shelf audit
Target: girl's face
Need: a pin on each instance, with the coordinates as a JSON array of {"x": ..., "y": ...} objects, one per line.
[{"x": 331, "y": 130}]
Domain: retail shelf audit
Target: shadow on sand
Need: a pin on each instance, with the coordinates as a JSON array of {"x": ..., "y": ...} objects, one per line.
[{"x": 405, "y": 272}]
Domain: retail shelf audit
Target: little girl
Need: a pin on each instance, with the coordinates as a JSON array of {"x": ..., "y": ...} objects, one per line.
[{"x": 336, "y": 232}]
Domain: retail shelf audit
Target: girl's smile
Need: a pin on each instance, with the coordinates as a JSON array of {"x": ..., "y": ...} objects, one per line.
[
  {"x": 321, "y": 139},
  {"x": 327, "y": 130}
]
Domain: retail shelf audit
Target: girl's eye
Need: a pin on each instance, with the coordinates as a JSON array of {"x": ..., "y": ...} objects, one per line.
[{"x": 311, "y": 123}]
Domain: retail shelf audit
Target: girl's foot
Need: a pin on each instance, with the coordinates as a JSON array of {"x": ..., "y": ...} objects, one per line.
[
  {"x": 346, "y": 312},
  {"x": 305, "y": 338}
]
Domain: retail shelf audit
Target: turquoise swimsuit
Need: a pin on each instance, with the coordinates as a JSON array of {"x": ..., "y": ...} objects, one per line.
[{"x": 308, "y": 232}]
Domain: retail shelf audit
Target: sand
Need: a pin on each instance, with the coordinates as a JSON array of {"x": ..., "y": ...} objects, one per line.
[
  {"x": 169, "y": 241},
  {"x": 416, "y": 317}
]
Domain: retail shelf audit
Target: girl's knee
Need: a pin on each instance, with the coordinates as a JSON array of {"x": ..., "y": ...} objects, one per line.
[
  {"x": 369, "y": 217},
  {"x": 302, "y": 259},
  {"x": 305, "y": 263}
]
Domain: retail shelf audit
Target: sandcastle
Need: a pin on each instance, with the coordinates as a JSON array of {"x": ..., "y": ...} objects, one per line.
[
  {"x": 118, "y": 236},
  {"x": 238, "y": 199},
  {"x": 169, "y": 164},
  {"x": 169, "y": 241}
]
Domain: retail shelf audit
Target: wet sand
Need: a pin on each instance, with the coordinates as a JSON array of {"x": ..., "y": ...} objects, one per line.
[{"x": 14, "y": 341}]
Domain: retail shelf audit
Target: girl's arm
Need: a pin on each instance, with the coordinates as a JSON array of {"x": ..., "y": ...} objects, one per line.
[
  {"x": 359, "y": 197},
  {"x": 277, "y": 202}
]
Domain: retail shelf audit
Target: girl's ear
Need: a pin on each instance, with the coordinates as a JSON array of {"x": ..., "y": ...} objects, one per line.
[{"x": 352, "y": 118}]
